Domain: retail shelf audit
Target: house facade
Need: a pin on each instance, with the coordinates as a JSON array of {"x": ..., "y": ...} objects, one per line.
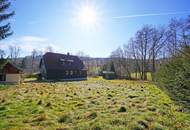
[
  {"x": 9, "y": 73},
  {"x": 55, "y": 66}
]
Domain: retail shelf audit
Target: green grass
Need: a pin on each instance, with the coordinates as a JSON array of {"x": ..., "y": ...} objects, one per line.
[
  {"x": 149, "y": 77},
  {"x": 95, "y": 104},
  {"x": 30, "y": 79},
  {"x": 2, "y": 87}
]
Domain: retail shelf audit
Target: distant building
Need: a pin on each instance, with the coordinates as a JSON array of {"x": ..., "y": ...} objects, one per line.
[
  {"x": 108, "y": 75},
  {"x": 9, "y": 73},
  {"x": 55, "y": 66}
]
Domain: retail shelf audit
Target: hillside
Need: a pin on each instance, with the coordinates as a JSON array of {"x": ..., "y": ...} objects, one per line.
[{"x": 95, "y": 104}]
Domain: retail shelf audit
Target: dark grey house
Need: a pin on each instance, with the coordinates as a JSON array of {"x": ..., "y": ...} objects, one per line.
[{"x": 55, "y": 66}]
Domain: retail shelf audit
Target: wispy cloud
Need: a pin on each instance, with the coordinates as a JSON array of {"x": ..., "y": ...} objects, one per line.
[
  {"x": 32, "y": 39},
  {"x": 150, "y": 14}
]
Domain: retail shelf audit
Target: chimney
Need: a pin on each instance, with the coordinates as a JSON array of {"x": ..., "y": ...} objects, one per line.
[{"x": 68, "y": 53}]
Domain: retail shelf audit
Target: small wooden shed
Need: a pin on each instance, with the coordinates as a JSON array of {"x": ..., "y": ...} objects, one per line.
[
  {"x": 9, "y": 73},
  {"x": 108, "y": 75}
]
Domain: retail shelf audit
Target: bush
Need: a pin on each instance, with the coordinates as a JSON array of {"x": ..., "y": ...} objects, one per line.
[
  {"x": 92, "y": 115},
  {"x": 2, "y": 108},
  {"x": 122, "y": 109},
  {"x": 65, "y": 119},
  {"x": 174, "y": 77}
]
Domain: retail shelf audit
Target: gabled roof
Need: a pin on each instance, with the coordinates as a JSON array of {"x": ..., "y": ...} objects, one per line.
[
  {"x": 5, "y": 62},
  {"x": 56, "y": 61}
]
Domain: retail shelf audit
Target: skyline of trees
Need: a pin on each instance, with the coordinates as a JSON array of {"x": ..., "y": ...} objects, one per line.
[
  {"x": 144, "y": 53},
  {"x": 149, "y": 47}
]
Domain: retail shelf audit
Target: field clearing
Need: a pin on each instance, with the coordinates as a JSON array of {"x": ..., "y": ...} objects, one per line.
[{"x": 95, "y": 104}]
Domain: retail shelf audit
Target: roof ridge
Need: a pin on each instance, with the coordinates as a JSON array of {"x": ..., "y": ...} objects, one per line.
[{"x": 60, "y": 54}]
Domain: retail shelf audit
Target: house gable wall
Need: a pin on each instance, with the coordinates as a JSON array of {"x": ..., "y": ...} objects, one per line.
[
  {"x": 43, "y": 69},
  {"x": 13, "y": 78}
]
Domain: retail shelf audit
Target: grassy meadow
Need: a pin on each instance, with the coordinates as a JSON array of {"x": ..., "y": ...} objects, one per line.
[{"x": 95, "y": 104}]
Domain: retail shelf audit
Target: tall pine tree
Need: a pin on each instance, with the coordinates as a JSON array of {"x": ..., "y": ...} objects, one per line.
[{"x": 5, "y": 28}]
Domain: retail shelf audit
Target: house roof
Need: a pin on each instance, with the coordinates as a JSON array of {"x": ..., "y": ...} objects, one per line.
[
  {"x": 56, "y": 61},
  {"x": 5, "y": 62}
]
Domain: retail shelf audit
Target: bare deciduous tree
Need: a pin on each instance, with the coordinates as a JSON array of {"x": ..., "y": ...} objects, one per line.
[
  {"x": 14, "y": 53},
  {"x": 49, "y": 49},
  {"x": 2, "y": 53},
  {"x": 143, "y": 40},
  {"x": 34, "y": 54},
  {"x": 159, "y": 39},
  {"x": 117, "y": 58}
]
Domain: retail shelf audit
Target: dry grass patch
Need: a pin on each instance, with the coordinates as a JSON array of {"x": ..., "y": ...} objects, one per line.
[{"x": 95, "y": 104}]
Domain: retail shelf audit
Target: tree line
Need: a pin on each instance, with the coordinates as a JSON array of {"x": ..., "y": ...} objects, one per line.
[
  {"x": 150, "y": 48},
  {"x": 30, "y": 63}
]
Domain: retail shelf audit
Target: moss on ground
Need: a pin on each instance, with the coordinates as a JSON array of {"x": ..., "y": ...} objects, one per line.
[{"x": 95, "y": 104}]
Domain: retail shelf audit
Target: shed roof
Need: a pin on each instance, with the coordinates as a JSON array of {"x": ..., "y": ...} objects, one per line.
[{"x": 5, "y": 62}]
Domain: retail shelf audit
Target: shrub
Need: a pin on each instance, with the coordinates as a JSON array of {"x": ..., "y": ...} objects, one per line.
[
  {"x": 92, "y": 115},
  {"x": 2, "y": 108},
  {"x": 122, "y": 109},
  {"x": 137, "y": 128},
  {"x": 48, "y": 104},
  {"x": 143, "y": 123},
  {"x": 39, "y": 102},
  {"x": 152, "y": 108},
  {"x": 174, "y": 77},
  {"x": 64, "y": 119}
]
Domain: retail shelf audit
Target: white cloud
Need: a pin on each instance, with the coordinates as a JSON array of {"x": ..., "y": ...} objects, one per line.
[
  {"x": 32, "y": 39},
  {"x": 27, "y": 44},
  {"x": 150, "y": 14}
]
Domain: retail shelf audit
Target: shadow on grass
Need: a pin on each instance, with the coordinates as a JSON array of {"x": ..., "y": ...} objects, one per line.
[
  {"x": 184, "y": 103},
  {"x": 51, "y": 81},
  {"x": 179, "y": 97},
  {"x": 6, "y": 86}
]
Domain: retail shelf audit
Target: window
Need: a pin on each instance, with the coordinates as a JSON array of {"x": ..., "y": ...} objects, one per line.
[
  {"x": 2, "y": 77},
  {"x": 70, "y": 61},
  {"x": 71, "y": 72},
  {"x": 67, "y": 72}
]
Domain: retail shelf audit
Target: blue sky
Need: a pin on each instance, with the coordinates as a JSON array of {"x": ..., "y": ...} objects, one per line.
[{"x": 41, "y": 23}]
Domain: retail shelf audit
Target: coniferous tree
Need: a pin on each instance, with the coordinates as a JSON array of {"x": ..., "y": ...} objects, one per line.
[
  {"x": 112, "y": 68},
  {"x": 5, "y": 29},
  {"x": 23, "y": 63}
]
